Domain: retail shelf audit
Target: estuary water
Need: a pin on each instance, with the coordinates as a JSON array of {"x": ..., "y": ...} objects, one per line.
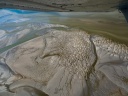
[{"x": 18, "y": 26}]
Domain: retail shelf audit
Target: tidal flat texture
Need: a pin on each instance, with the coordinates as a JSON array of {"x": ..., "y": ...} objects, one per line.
[
  {"x": 74, "y": 55},
  {"x": 69, "y": 63}
]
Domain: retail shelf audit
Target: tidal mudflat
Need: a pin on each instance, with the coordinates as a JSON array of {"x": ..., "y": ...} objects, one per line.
[{"x": 74, "y": 55}]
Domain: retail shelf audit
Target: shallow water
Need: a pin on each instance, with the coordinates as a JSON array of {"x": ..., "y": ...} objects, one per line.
[
  {"x": 24, "y": 25},
  {"x": 17, "y": 28}
]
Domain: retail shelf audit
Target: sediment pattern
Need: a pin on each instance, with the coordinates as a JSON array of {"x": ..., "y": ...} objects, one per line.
[
  {"x": 112, "y": 48},
  {"x": 70, "y": 64}
]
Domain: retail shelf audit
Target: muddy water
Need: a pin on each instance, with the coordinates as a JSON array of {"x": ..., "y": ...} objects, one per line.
[
  {"x": 111, "y": 25},
  {"x": 23, "y": 27}
]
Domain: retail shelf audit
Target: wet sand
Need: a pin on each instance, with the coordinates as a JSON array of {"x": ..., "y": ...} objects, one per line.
[{"x": 100, "y": 24}]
